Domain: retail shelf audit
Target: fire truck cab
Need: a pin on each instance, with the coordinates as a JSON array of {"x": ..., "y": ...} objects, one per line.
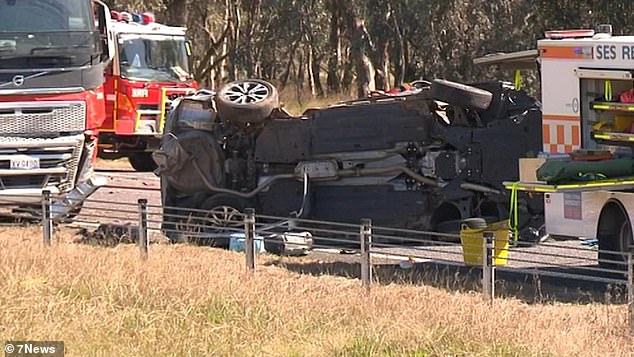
[
  {"x": 52, "y": 58},
  {"x": 151, "y": 67},
  {"x": 587, "y": 81}
]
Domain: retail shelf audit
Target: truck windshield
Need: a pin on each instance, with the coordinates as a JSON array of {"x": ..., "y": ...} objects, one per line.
[
  {"x": 47, "y": 33},
  {"x": 154, "y": 58}
]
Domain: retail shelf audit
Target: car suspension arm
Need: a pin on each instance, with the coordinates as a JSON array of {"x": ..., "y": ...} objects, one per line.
[
  {"x": 384, "y": 170},
  {"x": 250, "y": 194}
]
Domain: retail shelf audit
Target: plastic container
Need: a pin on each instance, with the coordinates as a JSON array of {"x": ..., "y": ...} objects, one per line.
[
  {"x": 471, "y": 238},
  {"x": 237, "y": 243}
]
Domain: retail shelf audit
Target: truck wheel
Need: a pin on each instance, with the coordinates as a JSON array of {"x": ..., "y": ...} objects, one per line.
[
  {"x": 247, "y": 101},
  {"x": 224, "y": 217},
  {"x": 615, "y": 237},
  {"x": 142, "y": 161},
  {"x": 460, "y": 94}
]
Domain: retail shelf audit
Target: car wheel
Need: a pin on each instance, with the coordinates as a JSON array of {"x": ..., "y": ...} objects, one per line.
[
  {"x": 247, "y": 101},
  {"x": 460, "y": 94},
  {"x": 449, "y": 227},
  {"x": 142, "y": 161},
  {"x": 223, "y": 217}
]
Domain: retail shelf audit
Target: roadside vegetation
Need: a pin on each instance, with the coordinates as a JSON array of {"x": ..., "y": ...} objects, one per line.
[
  {"x": 327, "y": 47},
  {"x": 193, "y": 301}
]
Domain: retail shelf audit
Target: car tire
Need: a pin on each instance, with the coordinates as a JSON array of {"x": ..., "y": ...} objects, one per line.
[
  {"x": 142, "y": 161},
  {"x": 460, "y": 94},
  {"x": 246, "y": 101},
  {"x": 448, "y": 227},
  {"x": 224, "y": 217},
  {"x": 474, "y": 223}
]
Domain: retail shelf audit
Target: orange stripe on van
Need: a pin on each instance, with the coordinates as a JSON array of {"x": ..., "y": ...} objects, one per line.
[
  {"x": 546, "y": 133},
  {"x": 560, "y": 117},
  {"x": 566, "y": 52},
  {"x": 561, "y": 137},
  {"x": 576, "y": 137}
]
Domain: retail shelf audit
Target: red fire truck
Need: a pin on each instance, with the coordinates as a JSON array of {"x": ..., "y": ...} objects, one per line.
[
  {"x": 150, "y": 68},
  {"x": 52, "y": 57}
]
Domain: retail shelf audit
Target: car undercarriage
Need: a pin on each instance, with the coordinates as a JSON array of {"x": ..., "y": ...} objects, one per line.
[{"x": 424, "y": 159}]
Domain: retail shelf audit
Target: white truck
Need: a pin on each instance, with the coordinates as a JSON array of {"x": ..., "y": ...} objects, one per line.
[{"x": 586, "y": 82}]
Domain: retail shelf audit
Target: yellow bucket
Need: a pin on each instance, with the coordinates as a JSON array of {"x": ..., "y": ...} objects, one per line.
[{"x": 471, "y": 240}]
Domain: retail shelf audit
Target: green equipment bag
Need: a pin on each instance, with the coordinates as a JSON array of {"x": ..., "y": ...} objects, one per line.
[{"x": 560, "y": 171}]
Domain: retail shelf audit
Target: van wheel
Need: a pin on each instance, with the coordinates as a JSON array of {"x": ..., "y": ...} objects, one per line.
[
  {"x": 615, "y": 237},
  {"x": 247, "y": 101}
]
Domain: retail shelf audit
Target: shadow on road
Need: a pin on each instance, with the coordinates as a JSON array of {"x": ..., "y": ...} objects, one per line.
[{"x": 530, "y": 288}]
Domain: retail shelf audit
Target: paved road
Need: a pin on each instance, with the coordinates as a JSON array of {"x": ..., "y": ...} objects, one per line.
[{"x": 118, "y": 201}]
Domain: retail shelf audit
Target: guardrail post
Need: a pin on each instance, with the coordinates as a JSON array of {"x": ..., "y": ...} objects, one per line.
[
  {"x": 365, "y": 238},
  {"x": 143, "y": 231},
  {"x": 249, "y": 237},
  {"x": 630, "y": 291},
  {"x": 47, "y": 220},
  {"x": 488, "y": 266}
]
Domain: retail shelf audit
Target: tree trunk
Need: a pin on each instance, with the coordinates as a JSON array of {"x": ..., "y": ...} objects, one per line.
[
  {"x": 399, "y": 48},
  {"x": 382, "y": 33},
  {"x": 381, "y": 60},
  {"x": 316, "y": 71},
  {"x": 358, "y": 51},
  {"x": 290, "y": 65},
  {"x": 177, "y": 12},
  {"x": 309, "y": 67},
  {"x": 221, "y": 74},
  {"x": 334, "y": 48},
  {"x": 235, "y": 41},
  {"x": 360, "y": 46},
  {"x": 348, "y": 72},
  {"x": 250, "y": 54}
]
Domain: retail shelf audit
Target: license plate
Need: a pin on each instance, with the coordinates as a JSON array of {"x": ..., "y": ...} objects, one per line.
[{"x": 24, "y": 162}]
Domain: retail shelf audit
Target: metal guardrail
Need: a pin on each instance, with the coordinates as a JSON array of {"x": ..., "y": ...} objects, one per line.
[{"x": 370, "y": 242}]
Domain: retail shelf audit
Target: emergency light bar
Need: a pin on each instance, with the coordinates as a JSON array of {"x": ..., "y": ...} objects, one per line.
[
  {"x": 561, "y": 34},
  {"x": 144, "y": 18},
  {"x": 148, "y": 17}
]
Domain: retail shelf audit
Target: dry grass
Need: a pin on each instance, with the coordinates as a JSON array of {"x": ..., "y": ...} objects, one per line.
[{"x": 193, "y": 301}]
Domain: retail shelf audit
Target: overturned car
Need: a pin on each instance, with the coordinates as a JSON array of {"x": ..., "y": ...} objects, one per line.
[{"x": 423, "y": 159}]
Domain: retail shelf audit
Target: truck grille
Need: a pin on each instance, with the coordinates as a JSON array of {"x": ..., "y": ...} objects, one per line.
[
  {"x": 61, "y": 155},
  {"x": 32, "y": 118}
]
